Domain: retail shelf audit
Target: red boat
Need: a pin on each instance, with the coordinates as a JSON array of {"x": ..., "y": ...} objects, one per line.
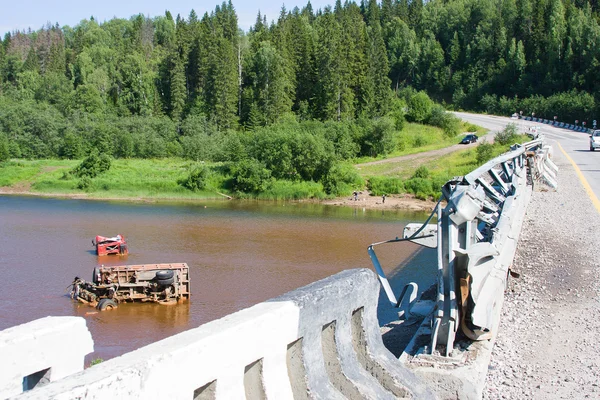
[{"x": 110, "y": 245}]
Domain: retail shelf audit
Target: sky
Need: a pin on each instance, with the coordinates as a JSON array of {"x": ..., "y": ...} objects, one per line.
[{"x": 34, "y": 14}]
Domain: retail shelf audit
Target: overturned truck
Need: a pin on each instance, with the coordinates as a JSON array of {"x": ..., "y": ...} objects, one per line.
[{"x": 112, "y": 285}]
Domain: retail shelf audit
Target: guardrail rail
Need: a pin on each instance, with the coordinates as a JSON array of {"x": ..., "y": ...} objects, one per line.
[{"x": 476, "y": 237}]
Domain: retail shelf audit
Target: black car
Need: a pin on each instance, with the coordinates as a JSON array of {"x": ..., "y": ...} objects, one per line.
[{"x": 469, "y": 139}]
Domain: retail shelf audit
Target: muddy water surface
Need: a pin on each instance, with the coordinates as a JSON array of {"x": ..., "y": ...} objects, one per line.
[{"x": 239, "y": 254}]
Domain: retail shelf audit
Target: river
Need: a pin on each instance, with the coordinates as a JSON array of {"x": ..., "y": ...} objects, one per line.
[{"x": 239, "y": 253}]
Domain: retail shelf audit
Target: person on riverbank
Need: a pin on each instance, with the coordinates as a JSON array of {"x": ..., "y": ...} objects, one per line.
[{"x": 383, "y": 199}]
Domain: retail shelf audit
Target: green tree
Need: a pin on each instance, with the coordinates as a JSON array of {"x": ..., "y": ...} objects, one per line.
[
  {"x": 93, "y": 165},
  {"x": 403, "y": 53},
  {"x": 419, "y": 107},
  {"x": 4, "y": 150},
  {"x": 334, "y": 98},
  {"x": 197, "y": 178},
  {"x": 250, "y": 176},
  {"x": 270, "y": 84}
]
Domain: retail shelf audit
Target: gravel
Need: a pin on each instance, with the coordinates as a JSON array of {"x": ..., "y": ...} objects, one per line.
[{"x": 547, "y": 345}]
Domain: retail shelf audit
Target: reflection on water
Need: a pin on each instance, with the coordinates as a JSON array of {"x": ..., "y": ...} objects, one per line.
[
  {"x": 239, "y": 254},
  {"x": 141, "y": 320}
]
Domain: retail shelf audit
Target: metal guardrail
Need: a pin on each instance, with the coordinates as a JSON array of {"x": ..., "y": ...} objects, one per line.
[
  {"x": 476, "y": 237},
  {"x": 574, "y": 127}
]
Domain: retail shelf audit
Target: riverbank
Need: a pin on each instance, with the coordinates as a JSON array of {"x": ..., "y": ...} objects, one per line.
[
  {"x": 391, "y": 202},
  {"x": 546, "y": 346},
  {"x": 364, "y": 199}
]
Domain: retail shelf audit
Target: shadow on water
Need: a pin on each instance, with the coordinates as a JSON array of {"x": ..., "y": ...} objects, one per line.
[
  {"x": 148, "y": 320},
  {"x": 419, "y": 268}
]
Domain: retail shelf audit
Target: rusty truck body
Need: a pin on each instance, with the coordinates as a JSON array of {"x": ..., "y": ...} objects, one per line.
[
  {"x": 110, "y": 245},
  {"x": 112, "y": 285}
]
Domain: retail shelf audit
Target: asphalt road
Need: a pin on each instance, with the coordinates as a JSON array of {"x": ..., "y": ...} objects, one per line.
[{"x": 575, "y": 144}]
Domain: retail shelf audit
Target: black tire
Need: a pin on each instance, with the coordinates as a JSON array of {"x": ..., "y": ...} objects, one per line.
[
  {"x": 164, "y": 274},
  {"x": 166, "y": 282},
  {"x": 106, "y": 304},
  {"x": 95, "y": 276}
]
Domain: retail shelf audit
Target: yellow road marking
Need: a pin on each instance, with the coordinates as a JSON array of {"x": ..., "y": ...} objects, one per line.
[{"x": 584, "y": 182}]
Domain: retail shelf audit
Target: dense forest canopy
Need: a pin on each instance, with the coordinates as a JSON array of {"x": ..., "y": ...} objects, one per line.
[{"x": 160, "y": 86}]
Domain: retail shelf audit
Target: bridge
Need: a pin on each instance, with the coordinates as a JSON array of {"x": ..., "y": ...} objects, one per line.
[{"x": 322, "y": 340}]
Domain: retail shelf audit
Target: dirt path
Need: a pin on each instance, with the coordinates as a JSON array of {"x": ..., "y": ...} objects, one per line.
[{"x": 420, "y": 158}]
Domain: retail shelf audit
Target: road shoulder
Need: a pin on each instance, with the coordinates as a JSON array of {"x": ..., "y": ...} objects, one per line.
[{"x": 546, "y": 347}]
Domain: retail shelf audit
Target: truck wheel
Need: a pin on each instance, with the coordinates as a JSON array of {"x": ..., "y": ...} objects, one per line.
[
  {"x": 164, "y": 274},
  {"x": 165, "y": 282},
  {"x": 95, "y": 276},
  {"x": 106, "y": 304}
]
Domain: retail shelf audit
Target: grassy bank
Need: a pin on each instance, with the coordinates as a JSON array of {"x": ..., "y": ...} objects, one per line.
[
  {"x": 164, "y": 178},
  {"x": 125, "y": 179},
  {"x": 426, "y": 177}
]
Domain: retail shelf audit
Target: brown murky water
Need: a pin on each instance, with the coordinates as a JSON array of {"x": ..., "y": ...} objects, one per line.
[{"x": 239, "y": 254}]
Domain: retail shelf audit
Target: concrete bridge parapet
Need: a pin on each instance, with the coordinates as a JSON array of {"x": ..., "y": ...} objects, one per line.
[
  {"x": 42, "y": 351},
  {"x": 321, "y": 341}
]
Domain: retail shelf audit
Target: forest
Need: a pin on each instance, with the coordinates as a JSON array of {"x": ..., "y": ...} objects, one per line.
[{"x": 295, "y": 97}]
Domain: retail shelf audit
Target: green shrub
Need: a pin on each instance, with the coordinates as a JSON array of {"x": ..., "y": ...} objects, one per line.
[
  {"x": 445, "y": 120},
  {"x": 197, "y": 179},
  {"x": 399, "y": 121},
  {"x": 250, "y": 176},
  {"x": 485, "y": 152},
  {"x": 421, "y": 172},
  {"x": 401, "y": 143},
  {"x": 380, "y": 185},
  {"x": 96, "y": 361},
  {"x": 471, "y": 128},
  {"x": 421, "y": 187},
  {"x": 398, "y": 112},
  {"x": 378, "y": 138},
  {"x": 341, "y": 180},
  {"x": 4, "y": 153},
  {"x": 419, "y": 107},
  {"x": 508, "y": 135},
  {"x": 71, "y": 146},
  {"x": 93, "y": 165},
  {"x": 85, "y": 183},
  {"x": 290, "y": 190}
]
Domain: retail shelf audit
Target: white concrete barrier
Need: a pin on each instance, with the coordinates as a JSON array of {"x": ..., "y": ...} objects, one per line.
[
  {"x": 321, "y": 341},
  {"x": 42, "y": 351}
]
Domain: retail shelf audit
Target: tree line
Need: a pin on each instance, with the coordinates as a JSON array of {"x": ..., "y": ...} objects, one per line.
[{"x": 191, "y": 86}]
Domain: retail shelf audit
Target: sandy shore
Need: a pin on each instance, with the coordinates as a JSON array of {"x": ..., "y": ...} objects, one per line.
[{"x": 400, "y": 201}]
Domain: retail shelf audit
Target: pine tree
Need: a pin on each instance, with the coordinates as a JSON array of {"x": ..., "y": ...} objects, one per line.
[
  {"x": 333, "y": 97},
  {"x": 378, "y": 64},
  {"x": 303, "y": 51},
  {"x": 403, "y": 50},
  {"x": 355, "y": 44}
]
